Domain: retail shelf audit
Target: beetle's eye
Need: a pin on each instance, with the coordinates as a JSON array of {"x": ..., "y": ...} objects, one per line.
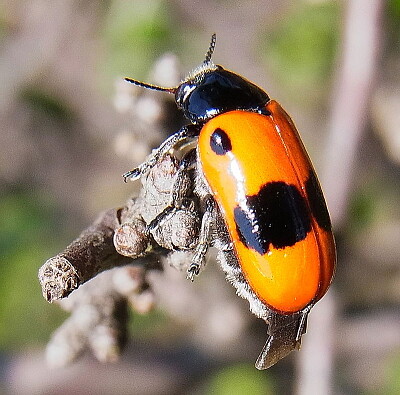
[
  {"x": 182, "y": 93},
  {"x": 220, "y": 142}
]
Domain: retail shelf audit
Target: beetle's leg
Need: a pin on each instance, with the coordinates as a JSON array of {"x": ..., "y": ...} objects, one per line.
[
  {"x": 204, "y": 239},
  {"x": 181, "y": 188},
  {"x": 284, "y": 336},
  {"x": 302, "y": 327},
  {"x": 183, "y": 183},
  {"x": 183, "y": 133}
]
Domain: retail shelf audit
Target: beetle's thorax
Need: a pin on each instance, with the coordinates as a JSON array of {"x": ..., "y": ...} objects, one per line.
[{"x": 211, "y": 90}]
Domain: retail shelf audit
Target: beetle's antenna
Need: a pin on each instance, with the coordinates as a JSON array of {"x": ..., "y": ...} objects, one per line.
[
  {"x": 174, "y": 89},
  {"x": 210, "y": 49},
  {"x": 151, "y": 86}
]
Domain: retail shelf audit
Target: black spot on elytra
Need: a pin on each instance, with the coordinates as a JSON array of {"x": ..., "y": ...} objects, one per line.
[
  {"x": 317, "y": 202},
  {"x": 220, "y": 142},
  {"x": 277, "y": 215}
]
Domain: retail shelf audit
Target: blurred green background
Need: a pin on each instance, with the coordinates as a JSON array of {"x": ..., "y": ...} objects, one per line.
[{"x": 60, "y": 62}]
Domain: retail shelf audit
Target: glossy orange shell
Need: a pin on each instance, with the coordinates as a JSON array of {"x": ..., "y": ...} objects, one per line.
[{"x": 267, "y": 149}]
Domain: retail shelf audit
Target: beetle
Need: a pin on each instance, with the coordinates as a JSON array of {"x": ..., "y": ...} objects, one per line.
[{"x": 261, "y": 204}]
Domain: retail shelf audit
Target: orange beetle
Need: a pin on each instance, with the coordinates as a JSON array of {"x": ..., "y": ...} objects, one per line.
[
  {"x": 262, "y": 206},
  {"x": 270, "y": 199}
]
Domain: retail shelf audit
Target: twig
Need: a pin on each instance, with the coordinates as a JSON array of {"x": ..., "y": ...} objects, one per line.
[{"x": 91, "y": 253}]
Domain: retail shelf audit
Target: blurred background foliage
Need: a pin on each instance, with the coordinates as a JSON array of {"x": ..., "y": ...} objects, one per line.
[
  {"x": 289, "y": 50},
  {"x": 58, "y": 167},
  {"x": 136, "y": 33}
]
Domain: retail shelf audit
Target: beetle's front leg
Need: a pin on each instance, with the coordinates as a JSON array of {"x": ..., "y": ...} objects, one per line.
[{"x": 185, "y": 132}]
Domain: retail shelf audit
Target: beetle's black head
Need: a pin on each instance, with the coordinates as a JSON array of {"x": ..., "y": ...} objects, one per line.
[{"x": 211, "y": 90}]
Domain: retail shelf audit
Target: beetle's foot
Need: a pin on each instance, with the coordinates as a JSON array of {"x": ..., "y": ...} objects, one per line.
[
  {"x": 132, "y": 175},
  {"x": 194, "y": 270}
]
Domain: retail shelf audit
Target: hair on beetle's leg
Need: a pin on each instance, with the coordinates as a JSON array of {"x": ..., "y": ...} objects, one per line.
[
  {"x": 180, "y": 190},
  {"x": 204, "y": 239},
  {"x": 183, "y": 133}
]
